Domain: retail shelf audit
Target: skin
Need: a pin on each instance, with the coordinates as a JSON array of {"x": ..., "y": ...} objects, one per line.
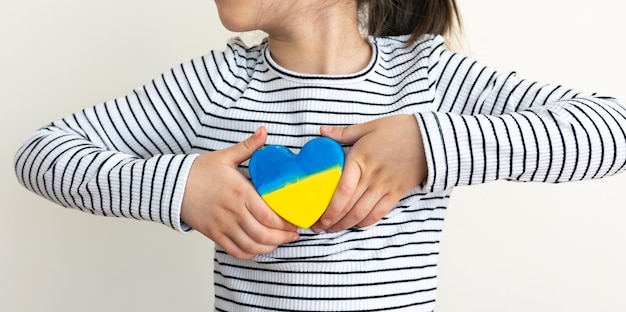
[
  {"x": 374, "y": 178},
  {"x": 223, "y": 205}
]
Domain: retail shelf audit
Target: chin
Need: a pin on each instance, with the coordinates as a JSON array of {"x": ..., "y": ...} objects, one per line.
[{"x": 235, "y": 18}]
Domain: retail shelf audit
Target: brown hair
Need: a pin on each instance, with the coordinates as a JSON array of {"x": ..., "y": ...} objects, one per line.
[{"x": 414, "y": 17}]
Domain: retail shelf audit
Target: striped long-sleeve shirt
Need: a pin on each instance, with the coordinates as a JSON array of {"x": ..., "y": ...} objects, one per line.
[{"x": 130, "y": 157}]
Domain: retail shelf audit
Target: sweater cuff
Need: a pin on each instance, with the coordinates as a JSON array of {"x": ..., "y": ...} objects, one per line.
[
  {"x": 178, "y": 194},
  {"x": 444, "y": 161}
]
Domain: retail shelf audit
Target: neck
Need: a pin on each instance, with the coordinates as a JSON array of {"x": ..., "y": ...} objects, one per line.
[{"x": 328, "y": 44}]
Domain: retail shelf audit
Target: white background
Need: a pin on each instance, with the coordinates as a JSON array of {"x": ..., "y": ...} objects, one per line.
[{"x": 506, "y": 246}]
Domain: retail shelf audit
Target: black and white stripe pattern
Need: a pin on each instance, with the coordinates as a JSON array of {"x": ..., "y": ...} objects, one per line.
[
  {"x": 491, "y": 126},
  {"x": 130, "y": 157}
]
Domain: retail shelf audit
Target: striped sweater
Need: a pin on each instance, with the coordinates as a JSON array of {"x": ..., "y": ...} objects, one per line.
[{"x": 130, "y": 157}]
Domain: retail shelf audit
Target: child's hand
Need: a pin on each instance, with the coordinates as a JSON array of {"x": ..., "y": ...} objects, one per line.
[
  {"x": 222, "y": 204},
  {"x": 386, "y": 161}
]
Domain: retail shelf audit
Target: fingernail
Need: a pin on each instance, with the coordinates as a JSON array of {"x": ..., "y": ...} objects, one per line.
[{"x": 326, "y": 128}]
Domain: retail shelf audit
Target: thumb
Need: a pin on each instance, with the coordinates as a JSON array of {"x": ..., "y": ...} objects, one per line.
[
  {"x": 345, "y": 135},
  {"x": 243, "y": 150}
]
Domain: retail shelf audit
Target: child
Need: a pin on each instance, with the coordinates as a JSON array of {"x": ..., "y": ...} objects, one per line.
[{"x": 417, "y": 118}]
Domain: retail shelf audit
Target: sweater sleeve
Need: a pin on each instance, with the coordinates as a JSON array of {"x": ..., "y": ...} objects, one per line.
[
  {"x": 127, "y": 157},
  {"x": 492, "y": 125}
]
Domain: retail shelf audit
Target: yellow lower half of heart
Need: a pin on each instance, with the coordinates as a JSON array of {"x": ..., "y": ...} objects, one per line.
[{"x": 303, "y": 202}]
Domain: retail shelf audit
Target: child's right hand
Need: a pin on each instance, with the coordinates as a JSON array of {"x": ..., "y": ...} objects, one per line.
[{"x": 222, "y": 204}]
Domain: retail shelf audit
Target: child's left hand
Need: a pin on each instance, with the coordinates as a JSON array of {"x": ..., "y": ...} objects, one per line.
[{"x": 386, "y": 161}]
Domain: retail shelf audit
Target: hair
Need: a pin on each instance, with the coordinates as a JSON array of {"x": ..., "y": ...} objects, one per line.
[{"x": 410, "y": 17}]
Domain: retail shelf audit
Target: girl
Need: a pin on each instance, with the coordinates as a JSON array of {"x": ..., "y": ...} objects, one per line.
[{"x": 417, "y": 120}]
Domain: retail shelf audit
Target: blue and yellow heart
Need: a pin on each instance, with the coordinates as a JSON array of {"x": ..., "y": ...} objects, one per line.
[{"x": 298, "y": 187}]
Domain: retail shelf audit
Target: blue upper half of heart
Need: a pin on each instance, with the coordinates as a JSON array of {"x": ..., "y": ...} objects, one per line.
[{"x": 274, "y": 166}]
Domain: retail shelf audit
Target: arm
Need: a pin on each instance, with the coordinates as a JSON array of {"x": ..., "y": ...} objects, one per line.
[
  {"x": 486, "y": 126},
  {"x": 134, "y": 157},
  {"x": 494, "y": 125},
  {"x": 125, "y": 158}
]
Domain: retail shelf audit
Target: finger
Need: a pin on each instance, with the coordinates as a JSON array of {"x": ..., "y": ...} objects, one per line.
[
  {"x": 359, "y": 211},
  {"x": 345, "y": 195},
  {"x": 246, "y": 247},
  {"x": 381, "y": 209},
  {"x": 243, "y": 150},
  {"x": 266, "y": 216},
  {"x": 231, "y": 248},
  {"x": 262, "y": 235},
  {"x": 345, "y": 135},
  {"x": 265, "y": 236}
]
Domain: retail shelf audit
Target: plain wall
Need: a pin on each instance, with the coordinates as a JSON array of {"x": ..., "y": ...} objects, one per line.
[{"x": 506, "y": 246}]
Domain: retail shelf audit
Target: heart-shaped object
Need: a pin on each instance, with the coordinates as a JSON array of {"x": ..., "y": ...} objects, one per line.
[{"x": 298, "y": 187}]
